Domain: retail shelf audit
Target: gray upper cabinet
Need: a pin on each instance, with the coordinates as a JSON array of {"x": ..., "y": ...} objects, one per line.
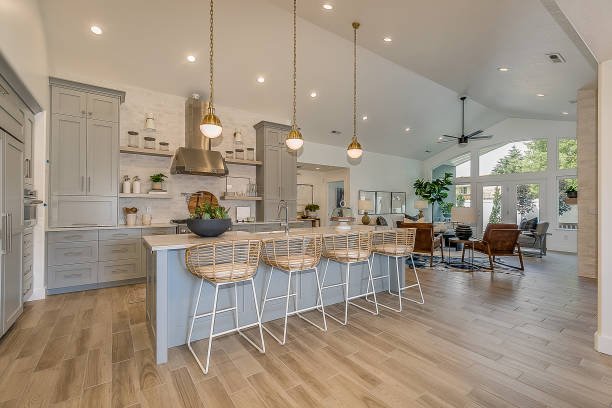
[
  {"x": 102, "y": 147},
  {"x": 102, "y": 107},
  {"x": 68, "y": 101},
  {"x": 277, "y": 177},
  {"x": 68, "y": 155},
  {"x": 84, "y": 153}
]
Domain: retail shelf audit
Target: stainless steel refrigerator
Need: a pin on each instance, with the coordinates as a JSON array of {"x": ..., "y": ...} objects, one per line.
[{"x": 11, "y": 210}]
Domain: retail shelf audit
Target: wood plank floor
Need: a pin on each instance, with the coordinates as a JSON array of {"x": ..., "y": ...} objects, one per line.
[{"x": 481, "y": 341}]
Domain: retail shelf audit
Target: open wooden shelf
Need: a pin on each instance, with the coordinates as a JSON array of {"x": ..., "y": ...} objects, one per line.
[
  {"x": 145, "y": 152},
  {"x": 240, "y": 198},
  {"x": 144, "y": 195},
  {"x": 244, "y": 162}
]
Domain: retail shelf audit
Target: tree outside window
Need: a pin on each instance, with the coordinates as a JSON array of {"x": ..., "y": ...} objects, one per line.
[{"x": 568, "y": 154}]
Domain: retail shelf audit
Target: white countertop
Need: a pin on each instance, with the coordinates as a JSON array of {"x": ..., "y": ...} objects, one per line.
[
  {"x": 121, "y": 226},
  {"x": 175, "y": 242}
]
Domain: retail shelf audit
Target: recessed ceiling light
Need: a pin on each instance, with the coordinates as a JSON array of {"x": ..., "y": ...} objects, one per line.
[
  {"x": 565, "y": 113},
  {"x": 191, "y": 58},
  {"x": 317, "y": 168},
  {"x": 328, "y": 6},
  {"x": 365, "y": 117},
  {"x": 96, "y": 30},
  {"x": 261, "y": 79},
  {"x": 313, "y": 94},
  {"x": 503, "y": 69},
  {"x": 540, "y": 95},
  {"x": 387, "y": 39},
  {"x": 407, "y": 129}
]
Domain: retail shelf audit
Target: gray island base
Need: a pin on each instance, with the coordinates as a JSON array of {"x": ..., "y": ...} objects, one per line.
[{"x": 171, "y": 289}]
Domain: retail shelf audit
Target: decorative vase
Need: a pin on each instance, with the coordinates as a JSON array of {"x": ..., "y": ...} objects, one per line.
[
  {"x": 136, "y": 187},
  {"x": 365, "y": 220},
  {"x": 463, "y": 232},
  {"x": 157, "y": 185},
  {"x": 127, "y": 187},
  {"x": 209, "y": 228}
]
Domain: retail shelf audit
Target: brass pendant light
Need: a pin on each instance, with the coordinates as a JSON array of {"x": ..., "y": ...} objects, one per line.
[
  {"x": 294, "y": 139},
  {"x": 354, "y": 149},
  {"x": 210, "y": 126}
]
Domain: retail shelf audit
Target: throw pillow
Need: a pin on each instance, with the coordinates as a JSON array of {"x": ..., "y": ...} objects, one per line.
[{"x": 531, "y": 224}]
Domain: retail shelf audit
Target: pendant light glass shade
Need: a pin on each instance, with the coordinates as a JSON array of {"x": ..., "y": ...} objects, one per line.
[
  {"x": 210, "y": 126},
  {"x": 294, "y": 140},
  {"x": 354, "y": 149}
]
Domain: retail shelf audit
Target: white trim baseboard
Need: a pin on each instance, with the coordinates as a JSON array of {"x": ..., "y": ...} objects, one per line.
[{"x": 603, "y": 344}]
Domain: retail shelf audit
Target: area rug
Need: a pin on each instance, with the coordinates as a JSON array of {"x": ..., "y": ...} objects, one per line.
[{"x": 481, "y": 264}]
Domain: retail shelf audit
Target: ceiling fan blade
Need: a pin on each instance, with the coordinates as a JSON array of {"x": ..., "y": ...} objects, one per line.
[
  {"x": 454, "y": 137},
  {"x": 474, "y": 133},
  {"x": 481, "y": 137},
  {"x": 446, "y": 141}
]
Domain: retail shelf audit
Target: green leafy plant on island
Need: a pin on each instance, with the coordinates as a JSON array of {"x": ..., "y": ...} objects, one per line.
[
  {"x": 207, "y": 211},
  {"x": 434, "y": 191}
]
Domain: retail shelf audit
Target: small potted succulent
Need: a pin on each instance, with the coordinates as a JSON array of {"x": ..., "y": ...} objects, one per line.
[
  {"x": 571, "y": 192},
  {"x": 157, "y": 181},
  {"x": 209, "y": 221},
  {"x": 311, "y": 209}
]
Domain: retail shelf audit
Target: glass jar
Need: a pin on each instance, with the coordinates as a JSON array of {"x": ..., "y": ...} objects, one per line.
[
  {"x": 149, "y": 142},
  {"x": 133, "y": 139},
  {"x": 164, "y": 146},
  {"x": 229, "y": 154},
  {"x": 250, "y": 154},
  {"x": 239, "y": 154}
]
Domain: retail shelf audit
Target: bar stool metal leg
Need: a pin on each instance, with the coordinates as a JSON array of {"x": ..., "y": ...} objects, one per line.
[{"x": 400, "y": 287}]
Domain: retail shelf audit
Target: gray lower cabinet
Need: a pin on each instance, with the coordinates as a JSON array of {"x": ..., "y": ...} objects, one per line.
[{"x": 87, "y": 259}]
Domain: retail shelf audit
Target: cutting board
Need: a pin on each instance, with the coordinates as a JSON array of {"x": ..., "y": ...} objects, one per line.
[{"x": 200, "y": 198}]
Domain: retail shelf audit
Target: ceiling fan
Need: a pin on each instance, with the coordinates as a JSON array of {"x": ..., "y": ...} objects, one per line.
[{"x": 463, "y": 139}]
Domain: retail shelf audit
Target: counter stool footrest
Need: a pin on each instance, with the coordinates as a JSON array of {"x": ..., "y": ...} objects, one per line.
[{"x": 229, "y": 309}]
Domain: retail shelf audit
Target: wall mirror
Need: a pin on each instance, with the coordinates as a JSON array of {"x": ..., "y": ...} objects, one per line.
[
  {"x": 367, "y": 195},
  {"x": 383, "y": 202}
]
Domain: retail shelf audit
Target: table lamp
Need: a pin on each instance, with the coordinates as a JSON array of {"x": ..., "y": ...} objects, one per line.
[
  {"x": 365, "y": 206},
  {"x": 421, "y": 205},
  {"x": 464, "y": 217}
]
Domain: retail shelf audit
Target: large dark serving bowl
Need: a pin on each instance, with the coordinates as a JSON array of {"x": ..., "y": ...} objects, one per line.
[{"x": 209, "y": 228}]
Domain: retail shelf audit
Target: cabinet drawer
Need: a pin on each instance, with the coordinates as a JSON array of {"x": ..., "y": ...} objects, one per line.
[
  {"x": 125, "y": 233},
  {"x": 72, "y": 236},
  {"x": 72, "y": 275},
  {"x": 119, "y": 250},
  {"x": 119, "y": 270},
  {"x": 158, "y": 231},
  {"x": 67, "y": 253}
]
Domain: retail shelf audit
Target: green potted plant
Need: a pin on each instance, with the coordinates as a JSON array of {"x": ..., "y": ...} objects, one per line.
[
  {"x": 310, "y": 209},
  {"x": 571, "y": 192},
  {"x": 434, "y": 191},
  {"x": 157, "y": 181},
  {"x": 209, "y": 220}
]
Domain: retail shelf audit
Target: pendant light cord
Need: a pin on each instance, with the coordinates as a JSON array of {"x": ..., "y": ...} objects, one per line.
[
  {"x": 355, "y": 27},
  {"x": 212, "y": 52},
  {"x": 294, "y": 124}
]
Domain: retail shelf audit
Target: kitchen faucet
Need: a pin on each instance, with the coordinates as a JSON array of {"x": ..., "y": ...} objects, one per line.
[{"x": 282, "y": 204}]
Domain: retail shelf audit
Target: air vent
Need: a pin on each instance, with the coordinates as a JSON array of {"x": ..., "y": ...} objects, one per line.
[{"x": 555, "y": 58}]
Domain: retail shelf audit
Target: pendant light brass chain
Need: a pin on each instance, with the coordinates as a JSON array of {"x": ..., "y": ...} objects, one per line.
[
  {"x": 355, "y": 27},
  {"x": 294, "y": 123},
  {"x": 212, "y": 52}
]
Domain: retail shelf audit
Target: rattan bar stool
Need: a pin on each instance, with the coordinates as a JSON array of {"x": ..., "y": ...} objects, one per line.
[
  {"x": 348, "y": 249},
  {"x": 397, "y": 244},
  {"x": 292, "y": 255},
  {"x": 224, "y": 263}
]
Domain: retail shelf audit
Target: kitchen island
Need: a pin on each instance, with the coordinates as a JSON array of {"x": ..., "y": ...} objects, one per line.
[{"x": 171, "y": 288}]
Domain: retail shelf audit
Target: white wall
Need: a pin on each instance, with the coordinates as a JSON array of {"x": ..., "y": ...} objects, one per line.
[
  {"x": 603, "y": 337},
  {"x": 515, "y": 129},
  {"x": 22, "y": 43},
  {"x": 374, "y": 171}
]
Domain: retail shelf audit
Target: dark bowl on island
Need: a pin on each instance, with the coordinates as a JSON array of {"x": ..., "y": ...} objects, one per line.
[{"x": 209, "y": 228}]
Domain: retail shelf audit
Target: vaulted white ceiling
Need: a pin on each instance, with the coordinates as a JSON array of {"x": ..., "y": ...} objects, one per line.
[{"x": 439, "y": 50}]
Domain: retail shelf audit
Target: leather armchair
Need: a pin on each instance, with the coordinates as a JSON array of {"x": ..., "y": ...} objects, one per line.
[
  {"x": 426, "y": 242},
  {"x": 499, "y": 240}
]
